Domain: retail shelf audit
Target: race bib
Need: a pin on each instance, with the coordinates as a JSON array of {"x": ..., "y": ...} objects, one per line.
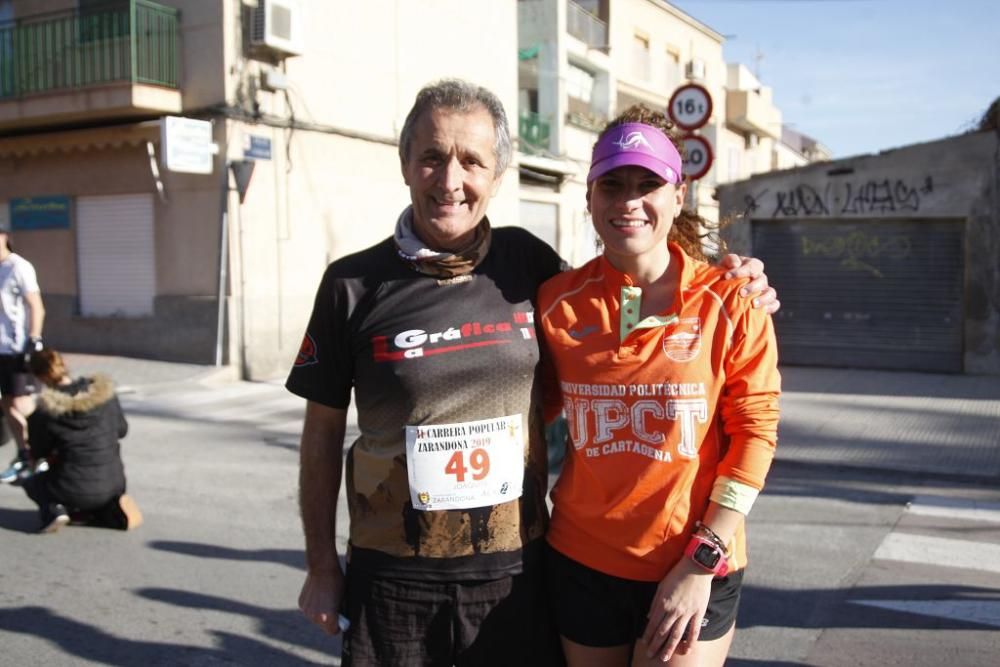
[{"x": 465, "y": 465}]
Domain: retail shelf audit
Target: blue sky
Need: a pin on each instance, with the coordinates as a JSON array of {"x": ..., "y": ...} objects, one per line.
[{"x": 866, "y": 75}]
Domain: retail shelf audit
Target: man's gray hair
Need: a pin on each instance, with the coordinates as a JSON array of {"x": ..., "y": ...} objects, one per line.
[{"x": 464, "y": 97}]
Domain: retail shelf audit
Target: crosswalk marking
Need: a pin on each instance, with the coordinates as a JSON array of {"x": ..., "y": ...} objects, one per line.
[
  {"x": 955, "y": 508},
  {"x": 977, "y": 606},
  {"x": 949, "y": 552},
  {"x": 945, "y": 551}
]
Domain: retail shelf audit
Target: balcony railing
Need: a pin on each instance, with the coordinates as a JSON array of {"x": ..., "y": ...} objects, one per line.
[
  {"x": 131, "y": 41},
  {"x": 586, "y": 27},
  {"x": 533, "y": 130}
]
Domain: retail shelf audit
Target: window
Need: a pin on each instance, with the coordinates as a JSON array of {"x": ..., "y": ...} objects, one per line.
[
  {"x": 674, "y": 73},
  {"x": 584, "y": 21},
  {"x": 579, "y": 83},
  {"x": 640, "y": 56},
  {"x": 527, "y": 100}
]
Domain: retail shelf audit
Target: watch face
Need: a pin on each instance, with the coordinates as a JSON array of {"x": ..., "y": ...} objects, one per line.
[{"x": 707, "y": 556}]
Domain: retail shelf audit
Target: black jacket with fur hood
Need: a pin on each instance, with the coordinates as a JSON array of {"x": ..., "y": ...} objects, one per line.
[{"x": 78, "y": 425}]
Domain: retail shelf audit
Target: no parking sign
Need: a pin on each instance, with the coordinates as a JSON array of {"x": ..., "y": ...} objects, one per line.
[
  {"x": 690, "y": 107},
  {"x": 699, "y": 157}
]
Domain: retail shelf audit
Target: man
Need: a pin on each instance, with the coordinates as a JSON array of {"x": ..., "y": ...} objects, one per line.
[
  {"x": 21, "y": 318},
  {"x": 434, "y": 331}
]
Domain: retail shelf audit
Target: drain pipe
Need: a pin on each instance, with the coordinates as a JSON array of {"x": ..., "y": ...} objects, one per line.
[
  {"x": 223, "y": 263},
  {"x": 242, "y": 171}
]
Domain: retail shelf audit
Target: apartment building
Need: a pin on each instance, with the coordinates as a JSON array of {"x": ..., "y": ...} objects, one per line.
[
  {"x": 797, "y": 149},
  {"x": 303, "y": 99},
  {"x": 583, "y": 61},
  {"x": 293, "y": 112}
]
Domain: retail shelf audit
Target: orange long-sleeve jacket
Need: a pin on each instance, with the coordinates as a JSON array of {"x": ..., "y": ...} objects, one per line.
[{"x": 661, "y": 412}]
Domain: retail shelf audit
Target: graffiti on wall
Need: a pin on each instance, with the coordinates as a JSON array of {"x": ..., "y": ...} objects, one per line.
[
  {"x": 857, "y": 251},
  {"x": 843, "y": 198}
]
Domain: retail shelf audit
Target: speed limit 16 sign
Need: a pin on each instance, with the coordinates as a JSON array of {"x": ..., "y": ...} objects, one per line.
[
  {"x": 690, "y": 106},
  {"x": 699, "y": 157}
]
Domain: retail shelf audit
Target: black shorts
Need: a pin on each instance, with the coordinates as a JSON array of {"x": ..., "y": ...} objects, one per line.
[
  {"x": 403, "y": 623},
  {"x": 596, "y": 609},
  {"x": 15, "y": 380}
]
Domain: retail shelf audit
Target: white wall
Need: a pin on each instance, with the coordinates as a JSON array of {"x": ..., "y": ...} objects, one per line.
[{"x": 363, "y": 64}]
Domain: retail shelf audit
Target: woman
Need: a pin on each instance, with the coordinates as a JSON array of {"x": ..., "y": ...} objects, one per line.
[
  {"x": 670, "y": 388},
  {"x": 76, "y": 426}
]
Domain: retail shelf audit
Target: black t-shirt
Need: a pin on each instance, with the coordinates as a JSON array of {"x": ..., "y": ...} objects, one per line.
[{"x": 424, "y": 351}]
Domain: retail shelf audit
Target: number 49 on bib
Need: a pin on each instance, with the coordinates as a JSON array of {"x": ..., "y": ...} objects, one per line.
[{"x": 478, "y": 461}]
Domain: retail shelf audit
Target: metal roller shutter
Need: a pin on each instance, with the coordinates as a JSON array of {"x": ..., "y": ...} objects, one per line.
[
  {"x": 116, "y": 255},
  {"x": 879, "y": 294}
]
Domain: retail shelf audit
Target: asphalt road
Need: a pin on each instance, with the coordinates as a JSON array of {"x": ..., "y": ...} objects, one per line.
[{"x": 849, "y": 565}]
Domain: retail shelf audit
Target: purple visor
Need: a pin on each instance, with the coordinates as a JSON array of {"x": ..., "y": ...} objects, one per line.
[{"x": 636, "y": 144}]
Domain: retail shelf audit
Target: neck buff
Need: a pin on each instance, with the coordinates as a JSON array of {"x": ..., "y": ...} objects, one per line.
[
  {"x": 636, "y": 144},
  {"x": 435, "y": 263}
]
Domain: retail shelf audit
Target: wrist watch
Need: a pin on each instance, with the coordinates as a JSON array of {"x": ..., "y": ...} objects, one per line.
[{"x": 707, "y": 555}]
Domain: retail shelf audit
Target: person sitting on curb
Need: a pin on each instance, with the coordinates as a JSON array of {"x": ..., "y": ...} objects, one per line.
[{"x": 76, "y": 426}]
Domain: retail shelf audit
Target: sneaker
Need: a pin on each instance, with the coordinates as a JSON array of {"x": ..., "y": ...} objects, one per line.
[
  {"x": 42, "y": 466},
  {"x": 57, "y": 518},
  {"x": 24, "y": 473},
  {"x": 13, "y": 473}
]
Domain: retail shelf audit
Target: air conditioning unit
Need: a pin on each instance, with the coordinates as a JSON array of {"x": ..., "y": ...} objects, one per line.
[
  {"x": 695, "y": 69},
  {"x": 277, "y": 26}
]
